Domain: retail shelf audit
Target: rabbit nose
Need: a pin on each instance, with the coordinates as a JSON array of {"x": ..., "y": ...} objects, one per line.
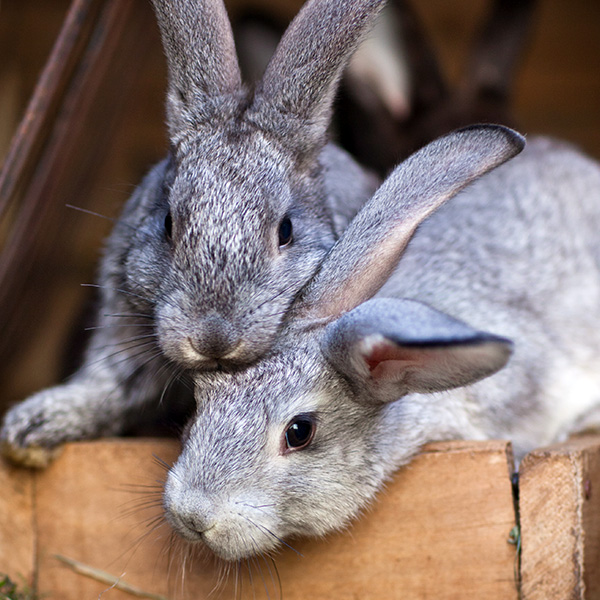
[
  {"x": 196, "y": 523},
  {"x": 215, "y": 337}
]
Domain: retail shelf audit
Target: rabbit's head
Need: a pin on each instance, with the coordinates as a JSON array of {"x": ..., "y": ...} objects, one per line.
[
  {"x": 241, "y": 220},
  {"x": 298, "y": 443}
]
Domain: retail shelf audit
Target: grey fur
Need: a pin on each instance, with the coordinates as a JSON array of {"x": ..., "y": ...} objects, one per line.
[
  {"x": 377, "y": 376},
  {"x": 214, "y": 294},
  {"x": 516, "y": 254}
]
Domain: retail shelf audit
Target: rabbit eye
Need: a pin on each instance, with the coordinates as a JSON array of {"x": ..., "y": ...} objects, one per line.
[
  {"x": 285, "y": 232},
  {"x": 169, "y": 226},
  {"x": 300, "y": 432}
]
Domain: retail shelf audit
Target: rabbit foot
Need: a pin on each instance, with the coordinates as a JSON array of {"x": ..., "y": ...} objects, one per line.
[
  {"x": 33, "y": 429},
  {"x": 35, "y": 457}
]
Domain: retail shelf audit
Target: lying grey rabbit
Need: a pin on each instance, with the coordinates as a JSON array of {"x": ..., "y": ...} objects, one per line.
[
  {"x": 300, "y": 442},
  {"x": 217, "y": 240}
]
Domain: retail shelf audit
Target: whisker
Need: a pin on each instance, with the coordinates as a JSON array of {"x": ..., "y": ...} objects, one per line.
[
  {"x": 258, "y": 507},
  {"x": 128, "y": 315},
  {"x": 222, "y": 576},
  {"x": 250, "y": 578},
  {"x": 116, "y": 220},
  {"x": 157, "y": 354},
  {"x": 118, "y": 326},
  {"x": 135, "y": 488},
  {"x": 97, "y": 214},
  {"x": 279, "y": 584},
  {"x": 166, "y": 387},
  {"x": 131, "y": 340},
  {"x": 268, "y": 531},
  {"x": 256, "y": 562},
  {"x": 271, "y": 299},
  {"x": 161, "y": 463},
  {"x": 121, "y": 351},
  {"x": 114, "y": 289},
  {"x": 237, "y": 584}
]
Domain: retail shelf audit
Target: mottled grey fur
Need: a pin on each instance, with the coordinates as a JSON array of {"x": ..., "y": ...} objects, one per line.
[
  {"x": 516, "y": 255},
  {"x": 381, "y": 376},
  {"x": 211, "y": 289}
]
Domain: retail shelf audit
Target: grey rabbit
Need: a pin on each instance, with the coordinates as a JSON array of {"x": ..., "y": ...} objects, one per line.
[
  {"x": 218, "y": 239},
  {"x": 376, "y": 357}
]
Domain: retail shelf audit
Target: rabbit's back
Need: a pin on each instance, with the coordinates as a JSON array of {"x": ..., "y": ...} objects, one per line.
[{"x": 518, "y": 254}]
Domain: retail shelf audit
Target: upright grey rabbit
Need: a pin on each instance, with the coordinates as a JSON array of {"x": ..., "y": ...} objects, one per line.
[
  {"x": 218, "y": 239},
  {"x": 299, "y": 443}
]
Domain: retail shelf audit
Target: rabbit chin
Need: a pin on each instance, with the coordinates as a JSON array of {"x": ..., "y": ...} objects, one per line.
[{"x": 232, "y": 542}]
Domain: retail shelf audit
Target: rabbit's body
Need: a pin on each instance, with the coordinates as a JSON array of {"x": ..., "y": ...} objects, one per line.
[
  {"x": 299, "y": 443},
  {"x": 518, "y": 254}
]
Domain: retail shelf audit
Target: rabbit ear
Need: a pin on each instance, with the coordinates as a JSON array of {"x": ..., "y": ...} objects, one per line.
[
  {"x": 496, "y": 56},
  {"x": 396, "y": 347},
  {"x": 368, "y": 251},
  {"x": 297, "y": 90},
  {"x": 201, "y": 58}
]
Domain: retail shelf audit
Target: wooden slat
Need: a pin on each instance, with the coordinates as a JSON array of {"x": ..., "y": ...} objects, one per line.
[
  {"x": 17, "y": 533},
  {"x": 47, "y": 97},
  {"x": 439, "y": 530},
  {"x": 70, "y": 154},
  {"x": 40, "y": 200},
  {"x": 560, "y": 521}
]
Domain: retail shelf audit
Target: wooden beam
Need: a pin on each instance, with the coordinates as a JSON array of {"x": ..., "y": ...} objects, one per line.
[
  {"x": 66, "y": 131},
  {"x": 560, "y": 521},
  {"x": 17, "y": 524},
  {"x": 439, "y": 530}
]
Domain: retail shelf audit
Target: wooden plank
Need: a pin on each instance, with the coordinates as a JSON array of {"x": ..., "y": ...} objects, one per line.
[
  {"x": 560, "y": 521},
  {"x": 17, "y": 539},
  {"x": 439, "y": 531},
  {"x": 91, "y": 507},
  {"x": 73, "y": 147},
  {"x": 47, "y": 97}
]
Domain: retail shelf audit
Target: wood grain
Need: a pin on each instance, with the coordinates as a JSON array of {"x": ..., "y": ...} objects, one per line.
[
  {"x": 560, "y": 521},
  {"x": 439, "y": 530},
  {"x": 17, "y": 526}
]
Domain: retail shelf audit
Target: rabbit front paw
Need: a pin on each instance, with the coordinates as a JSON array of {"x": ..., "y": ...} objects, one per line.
[{"x": 33, "y": 430}]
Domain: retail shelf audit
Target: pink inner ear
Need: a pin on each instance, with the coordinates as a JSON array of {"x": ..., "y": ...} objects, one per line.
[{"x": 384, "y": 357}]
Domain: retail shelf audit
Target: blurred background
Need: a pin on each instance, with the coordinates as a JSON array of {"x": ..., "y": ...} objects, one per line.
[{"x": 104, "y": 127}]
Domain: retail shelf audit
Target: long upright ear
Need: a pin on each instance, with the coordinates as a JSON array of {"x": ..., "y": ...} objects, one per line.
[
  {"x": 495, "y": 57},
  {"x": 364, "y": 257},
  {"x": 201, "y": 59},
  {"x": 296, "y": 93},
  {"x": 390, "y": 348}
]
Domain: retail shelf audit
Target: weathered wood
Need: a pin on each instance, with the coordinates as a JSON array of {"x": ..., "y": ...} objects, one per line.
[
  {"x": 439, "y": 530},
  {"x": 47, "y": 97},
  {"x": 55, "y": 161},
  {"x": 97, "y": 504},
  {"x": 560, "y": 521},
  {"x": 17, "y": 534}
]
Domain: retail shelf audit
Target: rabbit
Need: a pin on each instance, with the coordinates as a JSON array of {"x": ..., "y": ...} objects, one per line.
[
  {"x": 299, "y": 442},
  {"x": 488, "y": 326},
  {"x": 381, "y": 123},
  {"x": 219, "y": 237},
  {"x": 394, "y": 96}
]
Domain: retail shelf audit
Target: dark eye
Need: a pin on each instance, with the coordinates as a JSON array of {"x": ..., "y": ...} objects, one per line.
[
  {"x": 285, "y": 232},
  {"x": 169, "y": 226},
  {"x": 300, "y": 432}
]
